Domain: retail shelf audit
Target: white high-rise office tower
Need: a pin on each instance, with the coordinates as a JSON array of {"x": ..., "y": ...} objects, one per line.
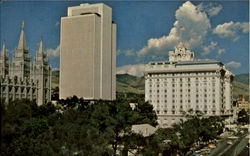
[
  {"x": 88, "y": 53},
  {"x": 183, "y": 83}
]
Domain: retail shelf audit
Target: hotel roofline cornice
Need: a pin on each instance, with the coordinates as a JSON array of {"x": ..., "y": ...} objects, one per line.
[{"x": 182, "y": 70}]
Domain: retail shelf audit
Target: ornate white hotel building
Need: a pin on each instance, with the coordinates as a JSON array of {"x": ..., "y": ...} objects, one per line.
[
  {"x": 22, "y": 79},
  {"x": 183, "y": 83}
]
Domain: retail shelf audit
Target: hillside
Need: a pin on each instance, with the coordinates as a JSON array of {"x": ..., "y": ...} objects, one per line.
[
  {"x": 55, "y": 79},
  {"x": 126, "y": 83},
  {"x": 242, "y": 78},
  {"x": 241, "y": 85}
]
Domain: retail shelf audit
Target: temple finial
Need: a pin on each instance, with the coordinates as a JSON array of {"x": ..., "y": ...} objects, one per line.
[{"x": 22, "y": 25}]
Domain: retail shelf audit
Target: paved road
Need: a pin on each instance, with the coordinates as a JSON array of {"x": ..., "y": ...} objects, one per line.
[
  {"x": 237, "y": 148},
  {"x": 221, "y": 146},
  {"x": 244, "y": 152}
]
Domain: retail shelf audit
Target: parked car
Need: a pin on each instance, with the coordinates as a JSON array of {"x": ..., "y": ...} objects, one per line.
[
  {"x": 229, "y": 142},
  {"x": 211, "y": 146}
]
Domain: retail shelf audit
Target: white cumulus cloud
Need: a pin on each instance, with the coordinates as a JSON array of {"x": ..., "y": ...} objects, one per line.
[
  {"x": 128, "y": 53},
  {"x": 233, "y": 65},
  {"x": 207, "y": 49},
  {"x": 190, "y": 27},
  {"x": 210, "y": 9},
  {"x": 231, "y": 29},
  {"x": 220, "y": 51},
  {"x": 136, "y": 70},
  {"x": 52, "y": 53}
]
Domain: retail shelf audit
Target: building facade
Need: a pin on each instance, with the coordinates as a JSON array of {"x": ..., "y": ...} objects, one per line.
[
  {"x": 20, "y": 79},
  {"x": 242, "y": 103},
  {"x": 183, "y": 83},
  {"x": 88, "y": 53}
]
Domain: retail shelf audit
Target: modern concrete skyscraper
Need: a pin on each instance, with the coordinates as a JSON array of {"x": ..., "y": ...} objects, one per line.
[{"x": 88, "y": 53}]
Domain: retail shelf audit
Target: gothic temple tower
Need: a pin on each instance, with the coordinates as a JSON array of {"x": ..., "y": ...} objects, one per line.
[
  {"x": 20, "y": 78},
  {"x": 41, "y": 72},
  {"x": 4, "y": 62},
  {"x": 20, "y": 66}
]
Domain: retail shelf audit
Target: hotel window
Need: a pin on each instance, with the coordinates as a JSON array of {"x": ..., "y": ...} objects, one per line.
[
  {"x": 172, "y": 85},
  {"x": 188, "y": 79},
  {"x": 173, "y": 101},
  {"x": 188, "y": 101},
  {"x": 189, "y": 85},
  {"x": 181, "y": 90},
  {"x": 173, "y": 90},
  {"x": 197, "y": 101}
]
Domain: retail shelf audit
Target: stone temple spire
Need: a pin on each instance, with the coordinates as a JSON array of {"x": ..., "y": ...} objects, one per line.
[
  {"x": 3, "y": 50},
  {"x": 22, "y": 42},
  {"x": 40, "y": 51}
]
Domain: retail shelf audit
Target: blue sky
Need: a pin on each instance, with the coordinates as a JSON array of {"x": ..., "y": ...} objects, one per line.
[{"x": 146, "y": 31}]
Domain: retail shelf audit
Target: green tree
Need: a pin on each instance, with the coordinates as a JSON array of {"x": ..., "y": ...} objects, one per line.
[{"x": 243, "y": 117}]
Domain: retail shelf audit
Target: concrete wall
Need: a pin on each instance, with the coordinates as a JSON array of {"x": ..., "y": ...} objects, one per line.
[{"x": 77, "y": 56}]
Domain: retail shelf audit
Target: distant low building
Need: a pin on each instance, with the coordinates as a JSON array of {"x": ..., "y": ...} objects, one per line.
[
  {"x": 20, "y": 79},
  {"x": 242, "y": 103},
  {"x": 183, "y": 83}
]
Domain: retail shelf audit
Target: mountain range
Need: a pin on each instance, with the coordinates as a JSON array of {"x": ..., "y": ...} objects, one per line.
[{"x": 126, "y": 83}]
